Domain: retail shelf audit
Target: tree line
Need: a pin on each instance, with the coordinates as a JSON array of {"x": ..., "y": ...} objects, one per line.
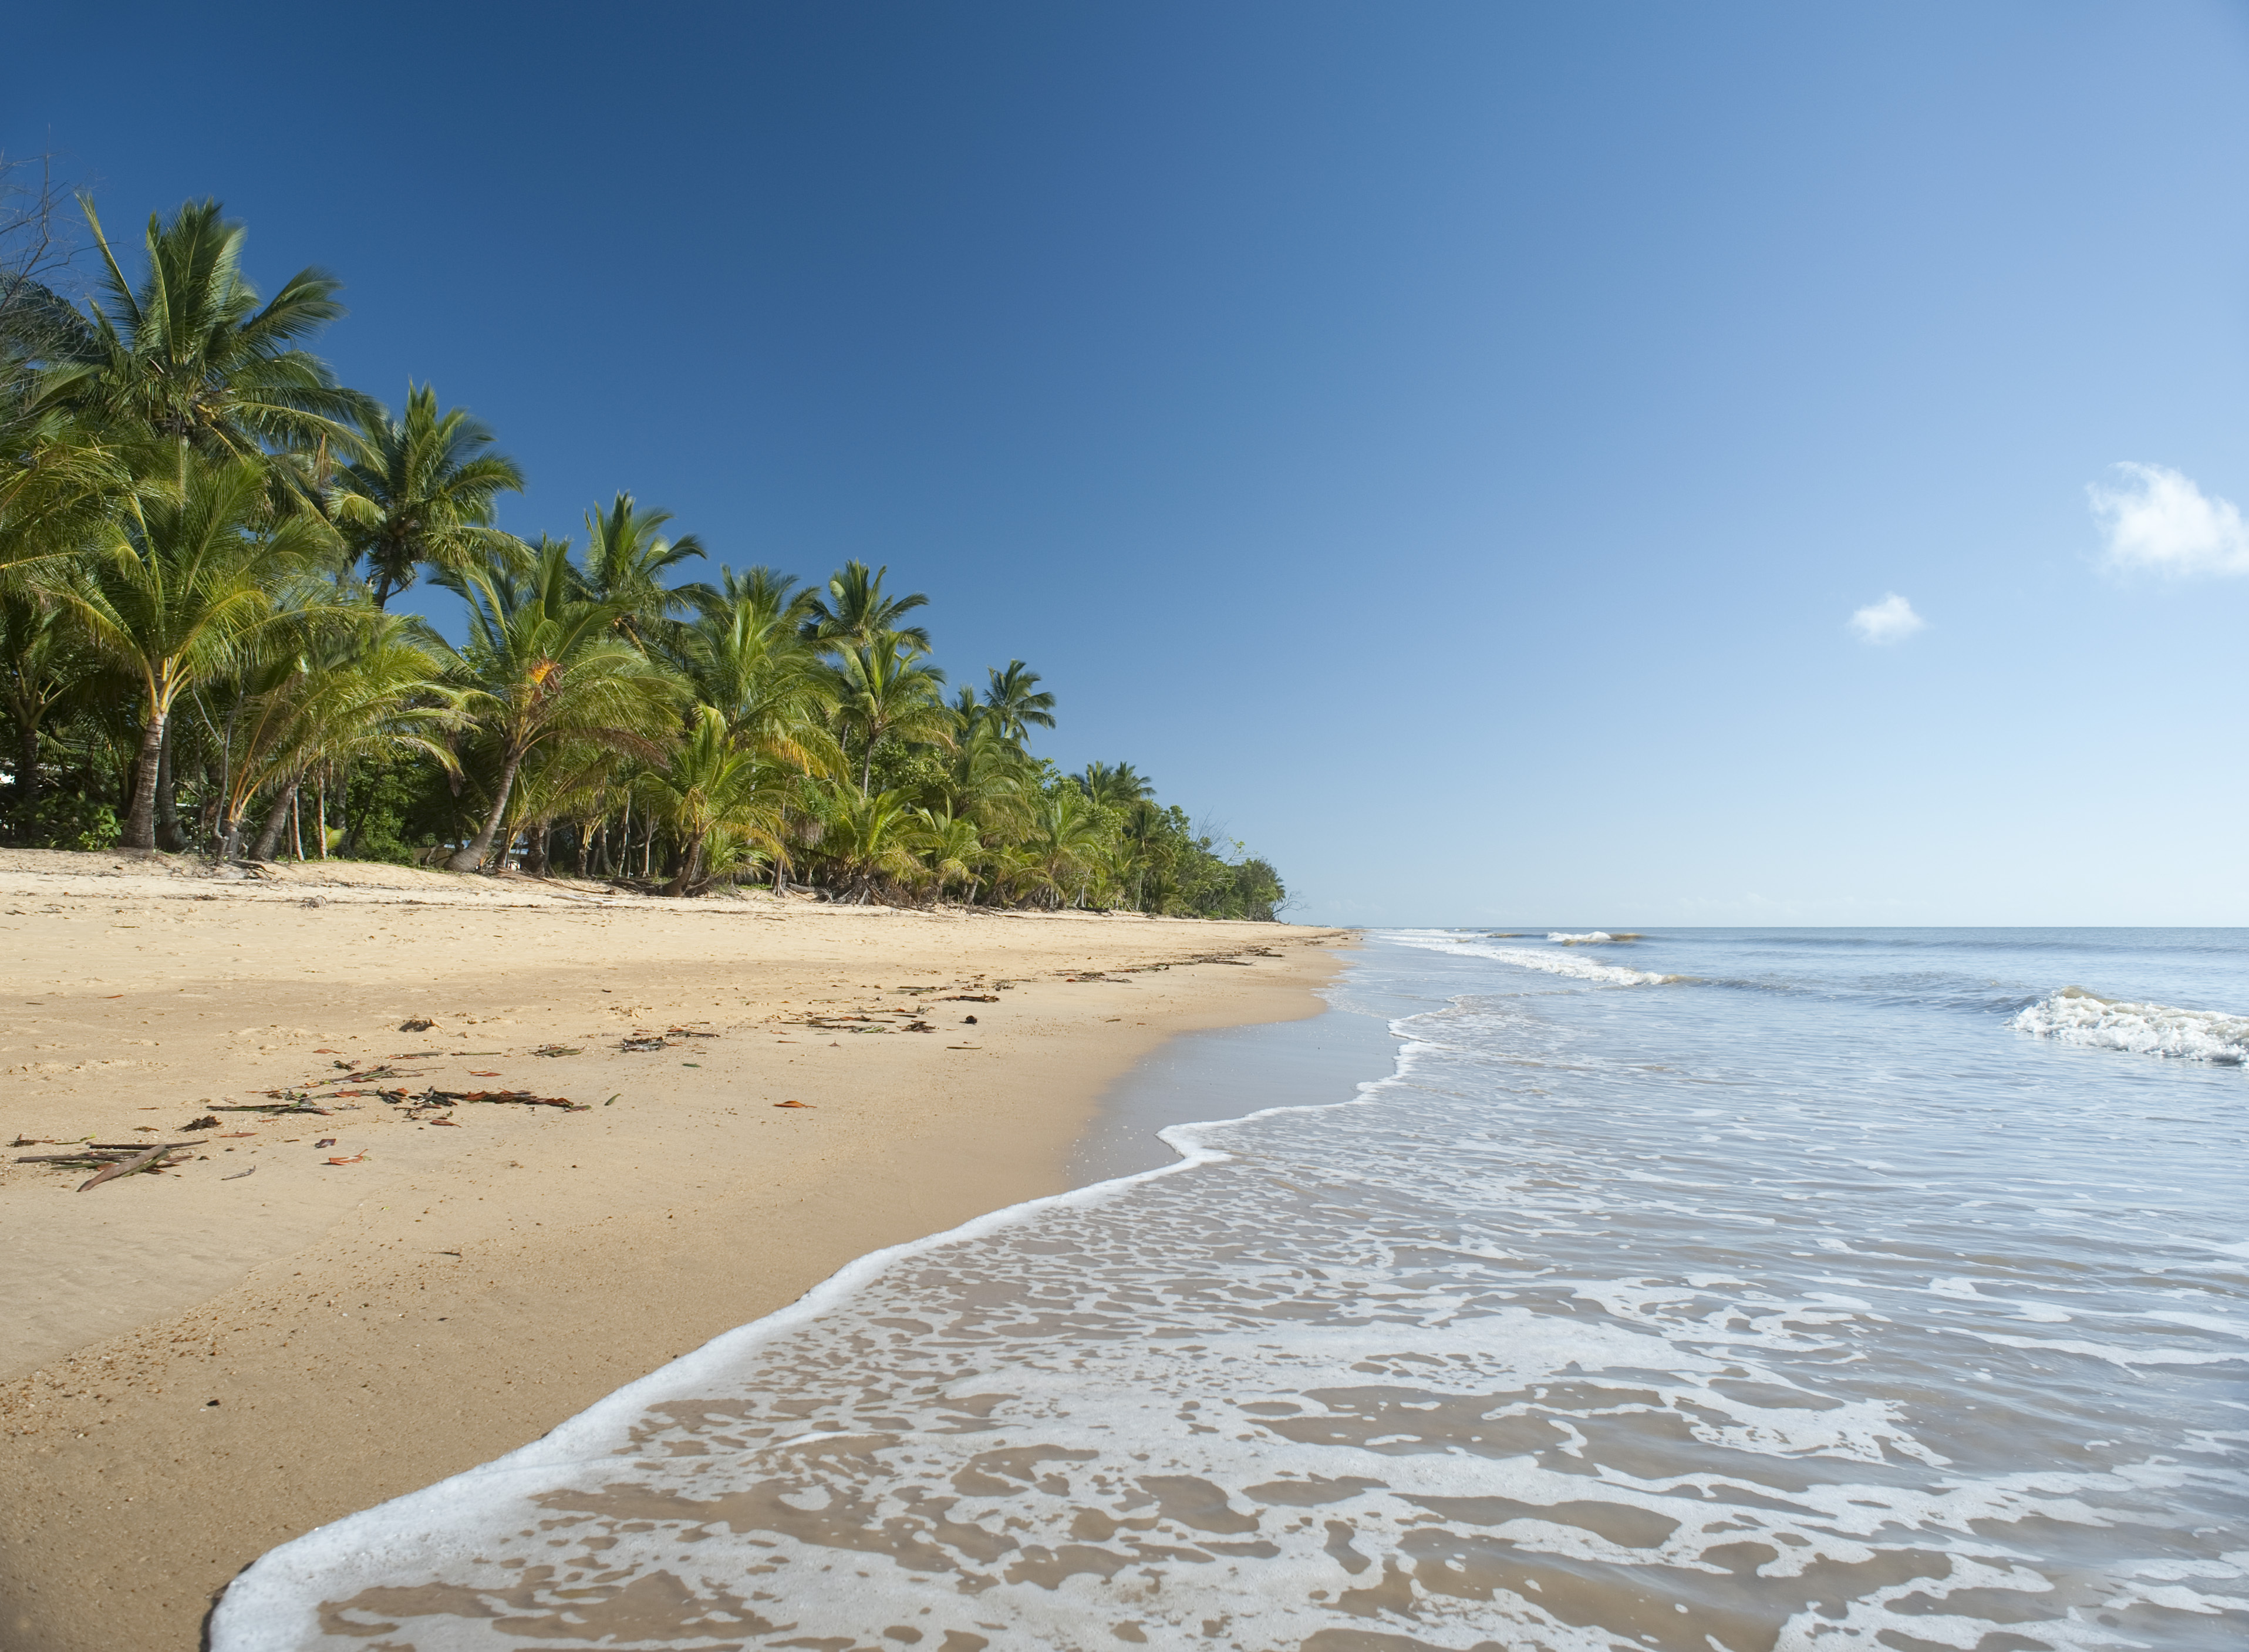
[{"x": 202, "y": 534}]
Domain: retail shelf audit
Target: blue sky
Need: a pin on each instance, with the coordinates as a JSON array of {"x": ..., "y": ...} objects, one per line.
[{"x": 1448, "y": 443}]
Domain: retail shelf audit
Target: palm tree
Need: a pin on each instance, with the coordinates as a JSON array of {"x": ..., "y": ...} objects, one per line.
[
  {"x": 856, "y": 613},
  {"x": 1066, "y": 835},
  {"x": 423, "y": 493},
  {"x": 366, "y": 685},
  {"x": 625, "y": 557},
  {"x": 952, "y": 848},
  {"x": 38, "y": 669},
  {"x": 1014, "y": 699},
  {"x": 709, "y": 784},
  {"x": 191, "y": 353},
  {"x": 178, "y": 587},
  {"x": 543, "y": 662},
  {"x": 885, "y": 692},
  {"x": 1116, "y": 787},
  {"x": 872, "y": 836},
  {"x": 745, "y": 654}
]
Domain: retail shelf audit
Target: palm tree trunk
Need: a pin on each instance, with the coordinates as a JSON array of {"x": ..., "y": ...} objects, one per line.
[
  {"x": 269, "y": 840},
  {"x": 141, "y": 818},
  {"x": 471, "y": 855},
  {"x": 27, "y": 773},
  {"x": 690, "y": 864},
  {"x": 168, "y": 802}
]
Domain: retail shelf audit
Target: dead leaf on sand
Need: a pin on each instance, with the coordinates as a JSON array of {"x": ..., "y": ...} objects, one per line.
[
  {"x": 793, "y": 1104},
  {"x": 354, "y": 1159}
]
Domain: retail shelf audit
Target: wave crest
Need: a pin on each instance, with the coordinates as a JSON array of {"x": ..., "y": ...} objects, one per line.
[
  {"x": 1552, "y": 963},
  {"x": 2076, "y": 1017}
]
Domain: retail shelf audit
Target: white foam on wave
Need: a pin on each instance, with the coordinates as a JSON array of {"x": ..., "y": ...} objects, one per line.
[
  {"x": 1590, "y": 938},
  {"x": 2076, "y": 1017},
  {"x": 1530, "y": 958}
]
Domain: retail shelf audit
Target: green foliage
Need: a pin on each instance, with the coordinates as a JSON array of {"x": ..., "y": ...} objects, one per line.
[{"x": 199, "y": 529}]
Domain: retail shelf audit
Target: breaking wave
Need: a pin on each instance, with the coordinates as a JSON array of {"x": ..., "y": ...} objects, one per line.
[
  {"x": 1529, "y": 958},
  {"x": 1592, "y": 937},
  {"x": 2076, "y": 1017}
]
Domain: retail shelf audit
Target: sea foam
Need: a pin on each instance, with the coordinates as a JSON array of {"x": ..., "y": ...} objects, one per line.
[
  {"x": 2076, "y": 1017},
  {"x": 1530, "y": 958}
]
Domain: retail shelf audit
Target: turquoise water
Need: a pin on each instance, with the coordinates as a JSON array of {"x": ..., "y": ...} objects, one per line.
[{"x": 1735, "y": 1289}]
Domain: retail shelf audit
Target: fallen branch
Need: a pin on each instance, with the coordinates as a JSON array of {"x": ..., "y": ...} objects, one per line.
[{"x": 126, "y": 1167}]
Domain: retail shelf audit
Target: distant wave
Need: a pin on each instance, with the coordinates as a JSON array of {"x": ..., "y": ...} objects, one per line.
[
  {"x": 1590, "y": 938},
  {"x": 2076, "y": 1017},
  {"x": 1552, "y": 963}
]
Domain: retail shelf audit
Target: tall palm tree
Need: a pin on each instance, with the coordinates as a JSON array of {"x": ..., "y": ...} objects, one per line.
[
  {"x": 1114, "y": 787},
  {"x": 856, "y": 612},
  {"x": 952, "y": 848},
  {"x": 1013, "y": 696},
  {"x": 626, "y": 558},
  {"x": 190, "y": 352},
  {"x": 544, "y": 662},
  {"x": 745, "y": 654},
  {"x": 178, "y": 587},
  {"x": 885, "y": 693},
  {"x": 423, "y": 493}
]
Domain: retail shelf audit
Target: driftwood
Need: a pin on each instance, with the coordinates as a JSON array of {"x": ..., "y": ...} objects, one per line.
[
  {"x": 139, "y": 1162},
  {"x": 239, "y": 1174}
]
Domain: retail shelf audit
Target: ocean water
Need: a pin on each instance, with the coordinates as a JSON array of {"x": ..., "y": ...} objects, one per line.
[{"x": 1709, "y": 1290}]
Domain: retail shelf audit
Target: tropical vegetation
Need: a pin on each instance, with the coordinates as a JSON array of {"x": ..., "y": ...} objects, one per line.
[{"x": 204, "y": 534}]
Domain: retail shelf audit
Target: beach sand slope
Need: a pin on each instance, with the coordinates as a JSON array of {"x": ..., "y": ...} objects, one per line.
[{"x": 199, "y": 1364}]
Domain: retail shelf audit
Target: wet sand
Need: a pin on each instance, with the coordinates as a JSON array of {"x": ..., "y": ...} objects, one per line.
[{"x": 368, "y": 1327}]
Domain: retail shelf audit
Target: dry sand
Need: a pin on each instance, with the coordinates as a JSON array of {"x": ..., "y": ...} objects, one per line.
[{"x": 198, "y": 1365}]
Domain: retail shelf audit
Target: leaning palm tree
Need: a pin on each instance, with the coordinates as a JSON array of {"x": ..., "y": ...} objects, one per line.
[
  {"x": 856, "y": 612},
  {"x": 423, "y": 493},
  {"x": 1115, "y": 786},
  {"x": 1015, "y": 700},
  {"x": 883, "y": 692},
  {"x": 190, "y": 352},
  {"x": 178, "y": 587},
  {"x": 543, "y": 662}
]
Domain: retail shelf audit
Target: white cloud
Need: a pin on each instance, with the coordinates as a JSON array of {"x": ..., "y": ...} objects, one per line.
[
  {"x": 1891, "y": 620},
  {"x": 2159, "y": 520}
]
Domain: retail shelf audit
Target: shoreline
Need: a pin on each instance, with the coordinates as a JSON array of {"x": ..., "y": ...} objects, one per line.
[{"x": 373, "y": 1327}]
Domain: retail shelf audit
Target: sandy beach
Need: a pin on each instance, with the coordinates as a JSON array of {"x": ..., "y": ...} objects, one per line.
[{"x": 315, "y": 1311}]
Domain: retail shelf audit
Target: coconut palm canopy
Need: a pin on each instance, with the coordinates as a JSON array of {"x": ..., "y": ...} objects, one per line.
[{"x": 200, "y": 529}]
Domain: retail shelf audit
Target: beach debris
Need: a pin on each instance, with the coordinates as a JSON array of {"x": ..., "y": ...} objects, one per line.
[
  {"x": 473, "y": 1073},
  {"x": 416, "y": 1023},
  {"x": 556, "y": 1050},
  {"x": 353, "y": 1160},
  {"x": 209, "y": 1121},
  {"x": 435, "y": 1098},
  {"x": 237, "y": 1176},
  {"x": 235, "y": 1135},
  {"x": 327, "y": 1052},
  {"x": 455, "y": 1123},
  {"x": 325, "y": 1141},
  {"x": 147, "y": 1160},
  {"x": 643, "y": 1042},
  {"x": 298, "y": 1102},
  {"x": 968, "y": 1021},
  {"x": 793, "y": 1104},
  {"x": 689, "y": 1032},
  {"x": 973, "y": 998}
]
